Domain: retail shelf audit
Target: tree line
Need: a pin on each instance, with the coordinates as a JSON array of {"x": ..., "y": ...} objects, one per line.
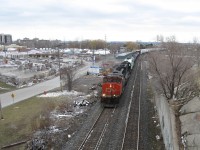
[{"x": 85, "y": 44}]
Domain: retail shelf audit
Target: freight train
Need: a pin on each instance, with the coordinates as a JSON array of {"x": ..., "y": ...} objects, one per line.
[{"x": 114, "y": 83}]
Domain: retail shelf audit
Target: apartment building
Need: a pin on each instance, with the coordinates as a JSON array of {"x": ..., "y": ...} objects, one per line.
[{"x": 5, "y": 39}]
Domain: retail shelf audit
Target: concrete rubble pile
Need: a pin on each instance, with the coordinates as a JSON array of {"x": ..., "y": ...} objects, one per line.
[{"x": 25, "y": 72}]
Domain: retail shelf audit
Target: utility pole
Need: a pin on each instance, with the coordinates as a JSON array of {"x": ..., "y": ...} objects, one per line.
[
  {"x": 81, "y": 44},
  {"x": 93, "y": 57},
  {"x": 59, "y": 68}
]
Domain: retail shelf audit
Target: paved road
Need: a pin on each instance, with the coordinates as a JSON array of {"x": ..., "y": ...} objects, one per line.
[{"x": 22, "y": 94}]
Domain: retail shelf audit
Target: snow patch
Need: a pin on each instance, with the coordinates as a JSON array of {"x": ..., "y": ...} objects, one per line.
[{"x": 56, "y": 94}]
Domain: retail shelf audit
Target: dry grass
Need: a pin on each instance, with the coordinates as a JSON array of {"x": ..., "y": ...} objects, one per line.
[
  {"x": 6, "y": 87},
  {"x": 23, "y": 118}
]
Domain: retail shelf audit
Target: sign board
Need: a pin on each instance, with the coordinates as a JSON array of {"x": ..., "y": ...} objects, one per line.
[{"x": 94, "y": 70}]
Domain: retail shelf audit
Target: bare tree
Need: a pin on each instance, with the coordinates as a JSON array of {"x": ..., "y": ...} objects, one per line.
[
  {"x": 68, "y": 74},
  {"x": 196, "y": 48},
  {"x": 171, "y": 67}
]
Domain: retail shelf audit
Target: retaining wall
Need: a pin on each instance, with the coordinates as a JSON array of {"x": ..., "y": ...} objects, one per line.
[{"x": 167, "y": 122}]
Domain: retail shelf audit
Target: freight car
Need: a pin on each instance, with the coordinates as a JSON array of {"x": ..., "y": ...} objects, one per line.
[
  {"x": 114, "y": 83},
  {"x": 132, "y": 58}
]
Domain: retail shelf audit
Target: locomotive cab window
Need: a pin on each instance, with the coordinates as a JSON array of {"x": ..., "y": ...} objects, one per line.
[{"x": 112, "y": 79}]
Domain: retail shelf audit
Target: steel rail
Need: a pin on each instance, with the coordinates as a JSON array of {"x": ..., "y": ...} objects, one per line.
[
  {"x": 138, "y": 138},
  {"x": 103, "y": 132},
  {"x": 90, "y": 131},
  {"x": 129, "y": 107}
]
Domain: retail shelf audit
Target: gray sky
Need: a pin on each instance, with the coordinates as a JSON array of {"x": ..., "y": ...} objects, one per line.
[{"x": 119, "y": 20}]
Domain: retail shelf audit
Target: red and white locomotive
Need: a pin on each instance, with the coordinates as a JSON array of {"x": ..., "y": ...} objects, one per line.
[{"x": 114, "y": 83}]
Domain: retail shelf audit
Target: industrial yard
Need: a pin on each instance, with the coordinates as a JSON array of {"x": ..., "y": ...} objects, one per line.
[{"x": 34, "y": 67}]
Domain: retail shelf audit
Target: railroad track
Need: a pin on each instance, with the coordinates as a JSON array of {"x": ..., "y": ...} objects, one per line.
[
  {"x": 123, "y": 128},
  {"x": 132, "y": 129},
  {"x": 95, "y": 135}
]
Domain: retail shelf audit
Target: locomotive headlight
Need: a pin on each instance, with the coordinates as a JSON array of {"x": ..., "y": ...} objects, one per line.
[
  {"x": 103, "y": 95},
  {"x": 114, "y": 95}
]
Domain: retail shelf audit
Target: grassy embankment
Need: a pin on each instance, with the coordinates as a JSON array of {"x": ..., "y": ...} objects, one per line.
[
  {"x": 21, "y": 119},
  {"x": 5, "y": 87}
]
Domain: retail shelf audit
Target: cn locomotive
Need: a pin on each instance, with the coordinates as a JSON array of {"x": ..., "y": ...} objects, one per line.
[{"x": 114, "y": 83}]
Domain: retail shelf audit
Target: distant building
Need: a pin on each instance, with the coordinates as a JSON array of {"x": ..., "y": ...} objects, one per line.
[
  {"x": 5, "y": 39},
  {"x": 36, "y": 43},
  {"x": 122, "y": 49},
  {"x": 13, "y": 47}
]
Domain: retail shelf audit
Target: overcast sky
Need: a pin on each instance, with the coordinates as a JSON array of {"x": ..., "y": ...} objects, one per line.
[{"x": 119, "y": 20}]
